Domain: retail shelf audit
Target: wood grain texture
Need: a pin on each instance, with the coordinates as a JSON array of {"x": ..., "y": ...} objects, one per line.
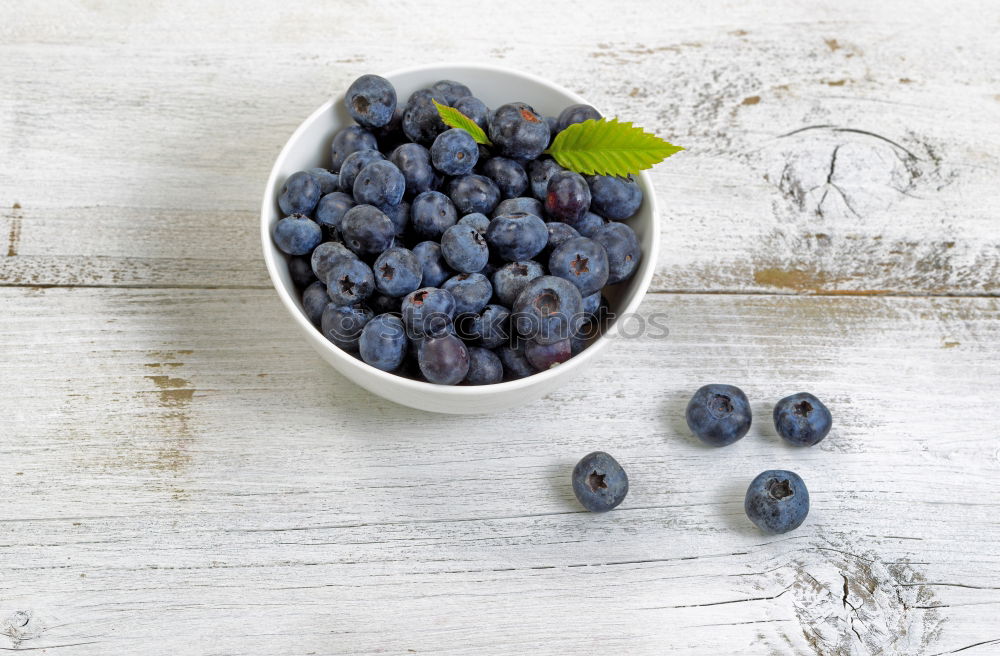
[
  {"x": 182, "y": 475},
  {"x": 838, "y": 148}
]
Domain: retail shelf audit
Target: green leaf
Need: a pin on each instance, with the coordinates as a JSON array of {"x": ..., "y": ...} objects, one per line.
[
  {"x": 608, "y": 147},
  {"x": 457, "y": 119}
]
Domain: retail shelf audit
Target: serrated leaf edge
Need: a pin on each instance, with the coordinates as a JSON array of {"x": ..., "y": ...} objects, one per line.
[{"x": 623, "y": 161}]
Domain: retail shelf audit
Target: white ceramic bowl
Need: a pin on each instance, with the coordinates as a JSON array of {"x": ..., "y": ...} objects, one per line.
[{"x": 309, "y": 146}]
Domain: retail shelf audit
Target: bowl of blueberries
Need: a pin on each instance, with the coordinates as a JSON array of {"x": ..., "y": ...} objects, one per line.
[{"x": 443, "y": 273}]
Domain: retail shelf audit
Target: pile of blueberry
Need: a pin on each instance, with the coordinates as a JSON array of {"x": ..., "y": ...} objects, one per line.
[
  {"x": 776, "y": 501},
  {"x": 431, "y": 256}
]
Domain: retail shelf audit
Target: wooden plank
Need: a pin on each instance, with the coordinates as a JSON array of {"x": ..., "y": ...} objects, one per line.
[
  {"x": 828, "y": 151},
  {"x": 183, "y": 475}
]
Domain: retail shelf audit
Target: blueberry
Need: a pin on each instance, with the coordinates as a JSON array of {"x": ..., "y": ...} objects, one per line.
[
  {"x": 353, "y": 164},
  {"x": 399, "y": 215},
  {"x": 777, "y": 501},
  {"x": 558, "y": 233},
  {"x": 300, "y": 270},
  {"x": 328, "y": 182},
  {"x": 718, "y": 414},
  {"x": 331, "y": 210},
  {"x": 553, "y": 124},
  {"x": 464, "y": 248},
  {"x": 451, "y": 90},
  {"x": 546, "y": 356},
  {"x": 515, "y": 364},
  {"x": 435, "y": 269},
  {"x": 431, "y": 214},
  {"x": 473, "y": 193},
  {"x": 371, "y": 101},
  {"x": 518, "y": 132},
  {"x": 614, "y": 198},
  {"x": 548, "y": 309},
  {"x": 314, "y": 300},
  {"x": 367, "y": 230},
  {"x": 475, "y": 109},
  {"x": 383, "y": 342},
  {"x": 300, "y": 194},
  {"x": 428, "y": 311},
  {"x": 379, "y": 183},
  {"x": 624, "y": 252},
  {"x": 581, "y": 261},
  {"x": 539, "y": 173},
  {"x": 397, "y": 272},
  {"x": 476, "y": 220},
  {"x": 592, "y": 304},
  {"x": 510, "y": 279},
  {"x": 472, "y": 291},
  {"x": 421, "y": 121},
  {"x": 454, "y": 152},
  {"x": 802, "y": 419},
  {"x": 348, "y": 140},
  {"x": 414, "y": 162},
  {"x": 391, "y": 134},
  {"x": 599, "y": 482},
  {"x": 508, "y": 175},
  {"x": 349, "y": 281},
  {"x": 576, "y": 114},
  {"x": 485, "y": 367},
  {"x": 326, "y": 255},
  {"x": 443, "y": 360},
  {"x": 517, "y": 236},
  {"x": 491, "y": 326},
  {"x": 342, "y": 324},
  {"x": 589, "y": 224},
  {"x": 568, "y": 197},
  {"x": 520, "y": 204},
  {"x": 297, "y": 234},
  {"x": 380, "y": 303}
]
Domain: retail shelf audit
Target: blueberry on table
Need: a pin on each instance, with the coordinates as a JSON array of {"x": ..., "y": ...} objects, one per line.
[
  {"x": 300, "y": 194},
  {"x": 346, "y": 141},
  {"x": 518, "y": 131},
  {"x": 414, "y": 162},
  {"x": 548, "y": 309},
  {"x": 397, "y": 272},
  {"x": 379, "y": 183},
  {"x": 300, "y": 270},
  {"x": 802, "y": 419},
  {"x": 342, "y": 324},
  {"x": 599, "y": 482},
  {"x": 719, "y": 414},
  {"x": 576, "y": 114},
  {"x": 507, "y": 174},
  {"x": 435, "y": 269},
  {"x": 326, "y": 255},
  {"x": 613, "y": 197},
  {"x": 511, "y": 278},
  {"x": 297, "y": 234},
  {"x": 515, "y": 363},
  {"x": 546, "y": 356},
  {"x": 622, "y": 246},
  {"x": 421, "y": 121},
  {"x": 464, "y": 248},
  {"x": 589, "y": 224},
  {"x": 331, "y": 209},
  {"x": 485, "y": 367},
  {"x": 777, "y": 501},
  {"x": 491, "y": 326},
  {"x": 328, "y": 181},
  {"x": 476, "y": 220},
  {"x": 371, "y": 101},
  {"x": 473, "y": 193},
  {"x": 314, "y": 301},
  {"x": 349, "y": 281},
  {"x": 366, "y": 230},
  {"x": 454, "y": 152},
  {"x": 583, "y": 262},
  {"x": 523, "y": 204},
  {"x": 475, "y": 109},
  {"x": 451, "y": 90},
  {"x": 443, "y": 360},
  {"x": 567, "y": 197},
  {"x": 383, "y": 342},
  {"x": 472, "y": 291},
  {"x": 539, "y": 173},
  {"x": 431, "y": 213},
  {"x": 353, "y": 164},
  {"x": 517, "y": 236},
  {"x": 428, "y": 311}
]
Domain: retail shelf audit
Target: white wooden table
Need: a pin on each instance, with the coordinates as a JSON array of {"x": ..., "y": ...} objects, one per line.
[{"x": 180, "y": 474}]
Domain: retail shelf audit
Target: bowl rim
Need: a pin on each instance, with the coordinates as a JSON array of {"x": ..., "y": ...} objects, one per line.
[{"x": 581, "y": 360}]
